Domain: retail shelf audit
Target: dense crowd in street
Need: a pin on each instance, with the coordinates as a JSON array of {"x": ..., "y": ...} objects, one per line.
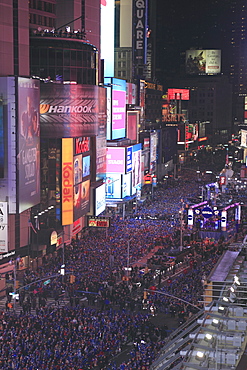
[{"x": 90, "y": 336}]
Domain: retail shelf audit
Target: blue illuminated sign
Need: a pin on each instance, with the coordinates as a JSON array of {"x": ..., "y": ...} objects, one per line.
[{"x": 129, "y": 160}]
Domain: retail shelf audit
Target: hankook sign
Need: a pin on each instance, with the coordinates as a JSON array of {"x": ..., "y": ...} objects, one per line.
[{"x": 68, "y": 110}]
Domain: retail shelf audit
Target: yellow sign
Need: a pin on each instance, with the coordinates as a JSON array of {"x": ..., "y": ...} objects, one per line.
[{"x": 67, "y": 181}]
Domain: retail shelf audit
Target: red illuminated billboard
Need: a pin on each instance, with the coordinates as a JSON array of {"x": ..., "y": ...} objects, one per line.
[
  {"x": 132, "y": 124},
  {"x": 178, "y": 94}
]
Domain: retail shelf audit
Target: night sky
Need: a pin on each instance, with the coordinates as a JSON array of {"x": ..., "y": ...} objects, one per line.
[{"x": 181, "y": 25}]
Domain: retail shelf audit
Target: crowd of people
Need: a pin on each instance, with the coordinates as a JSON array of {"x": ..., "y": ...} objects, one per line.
[{"x": 92, "y": 336}]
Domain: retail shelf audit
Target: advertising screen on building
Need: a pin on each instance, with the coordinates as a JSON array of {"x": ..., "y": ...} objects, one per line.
[
  {"x": 98, "y": 221},
  {"x": 132, "y": 124},
  {"x": 203, "y": 61},
  {"x": 69, "y": 110},
  {"x": 28, "y": 143},
  {"x": 67, "y": 181},
  {"x": 2, "y": 151},
  {"x": 86, "y": 166},
  {"x": 101, "y": 137},
  {"x": 107, "y": 36},
  {"x": 131, "y": 93},
  {"x": 99, "y": 199},
  {"x": 178, "y": 94},
  {"x": 153, "y": 151},
  {"x": 77, "y": 169},
  {"x": 113, "y": 186},
  {"x": 136, "y": 168},
  {"x": 118, "y": 108},
  {"x": 81, "y": 199},
  {"x": 129, "y": 151},
  {"x": 3, "y": 227},
  {"x": 126, "y": 185},
  {"x": 115, "y": 160},
  {"x": 244, "y": 138}
]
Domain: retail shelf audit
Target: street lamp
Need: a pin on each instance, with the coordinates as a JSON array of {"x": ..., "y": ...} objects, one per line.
[{"x": 181, "y": 225}]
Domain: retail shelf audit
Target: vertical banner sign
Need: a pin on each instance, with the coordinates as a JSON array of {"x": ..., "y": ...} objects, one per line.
[
  {"x": 67, "y": 181},
  {"x": 190, "y": 218},
  {"x": 28, "y": 143},
  {"x": 3, "y": 227},
  {"x": 223, "y": 220},
  {"x": 140, "y": 31}
]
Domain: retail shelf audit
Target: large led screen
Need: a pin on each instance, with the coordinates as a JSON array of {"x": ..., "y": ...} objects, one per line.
[
  {"x": 113, "y": 186},
  {"x": 126, "y": 185},
  {"x": 115, "y": 160},
  {"x": 86, "y": 166},
  {"x": 129, "y": 159},
  {"x": 28, "y": 143},
  {"x": 203, "y": 61},
  {"x": 100, "y": 199},
  {"x": 132, "y": 123},
  {"x": 136, "y": 168},
  {"x": 69, "y": 110},
  {"x": 101, "y": 137},
  {"x": 244, "y": 138},
  {"x": 107, "y": 36},
  {"x": 118, "y": 108},
  {"x": 77, "y": 169},
  {"x": 153, "y": 151},
  {"x": 81, "y": 199}
]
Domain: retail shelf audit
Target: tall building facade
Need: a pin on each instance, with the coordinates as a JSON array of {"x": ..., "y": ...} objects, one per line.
[{"x": 49, "y": 54}]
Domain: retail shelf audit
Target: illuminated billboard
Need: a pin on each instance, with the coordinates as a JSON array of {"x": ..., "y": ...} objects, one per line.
[
  {"x": 101, "y": 137},
  {"x": 126, "y": 185},
  {"x": 100, "y": 200},
  {"x": 107, "y": 33},
  {"x": 203, "y": 61},
  {"x": 136, "y": 168},
  {"x": 129, "y": 159},
  {"x": 140, "y": 10},
  {"x": 115, "y": 160},
  {"x": 118, "y": 108},
  {"x": 2, "y": 151},
  {"x": 131, "y": 94},
  {"x": 28, "y": 143},
  {"x": 3, "y": 227},
  {"x": 67, "y": 181},
  {"x": 153, "y": 151},
  {"x": 86, "y": 166},
  {"x": 81, "y": 199},
  {"x": 113, "y": 185},
  {"x": 69, "y": 110},
  {"x": 244, "y": 138},
  {"x": 178, "y": 94},
  {"x": 77, "y": 169},
  {"x": 132, "y": 124}
]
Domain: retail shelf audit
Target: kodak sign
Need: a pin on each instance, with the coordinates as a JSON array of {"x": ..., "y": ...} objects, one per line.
[{"x": 67, "y": 181}]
